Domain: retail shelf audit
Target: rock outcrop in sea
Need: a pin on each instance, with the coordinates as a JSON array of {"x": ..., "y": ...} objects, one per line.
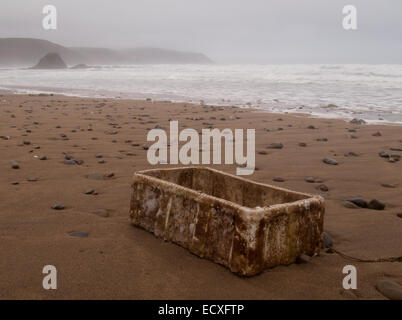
[{"x": 51, "y": 61}]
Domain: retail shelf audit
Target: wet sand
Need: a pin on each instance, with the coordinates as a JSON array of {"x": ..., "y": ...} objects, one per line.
[{"x": 118, "y": 261}]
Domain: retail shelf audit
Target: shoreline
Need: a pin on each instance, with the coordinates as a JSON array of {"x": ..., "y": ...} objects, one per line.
[
  {"x": 81, "y": 153},
  {"x": 251, "y": 108}
]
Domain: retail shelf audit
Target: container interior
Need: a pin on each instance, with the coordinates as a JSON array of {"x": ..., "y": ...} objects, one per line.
[{"x": 242, "y": 192}]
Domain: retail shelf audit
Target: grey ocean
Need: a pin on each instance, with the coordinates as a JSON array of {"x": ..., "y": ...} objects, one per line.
[{"x": 370, "y": 92}]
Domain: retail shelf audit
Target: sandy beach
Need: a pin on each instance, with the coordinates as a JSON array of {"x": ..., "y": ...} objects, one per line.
[{"x": 81, "y": 153}]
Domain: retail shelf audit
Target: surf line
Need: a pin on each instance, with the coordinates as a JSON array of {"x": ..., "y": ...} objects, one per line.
[{"x": 189, "y": 153}]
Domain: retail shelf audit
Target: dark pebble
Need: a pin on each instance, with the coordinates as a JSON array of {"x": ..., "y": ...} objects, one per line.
[
  {"x": 303, "y": 258},
  {"x": 278, "y": 179},
  {"x": 330, "y": 161},
  {"x": 70, "y": 162},
  {"x": 359, "y": 202},
  {"x": 79, "y": 234},
  {"x": 357, "y": 121},
  {"x": 275, "y": 145},
  {"x": 58, "y": 207},
  {"x": 387, "y": 185},
  {"x": 376, "y": 205},
  {"x": 326, "y": 240},
  {"x": 390, "y": 289},
  {"x": 323, "y": 187},
  {"x": 15, "y": 165}
]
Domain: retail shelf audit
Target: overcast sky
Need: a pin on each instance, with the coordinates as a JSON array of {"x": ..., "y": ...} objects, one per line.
[{"x": 261, "y": 31}]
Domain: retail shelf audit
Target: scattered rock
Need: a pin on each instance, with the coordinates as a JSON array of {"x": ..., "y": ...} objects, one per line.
[
  {"x": 330, "y": 161},
  {"x": 383, "y": 154},
  {"x": 326, "y": 240},
  {"x": 323, "y": 188},
  {"x": 43, "y": 158},
  {"x": 376, "y": 205},
  {"x": 390, "y": 289},
  {"x": 70, "y": 162},
  {"x": 303, "y": 258},
  {"x": 278, "y": 179},
  {"x": 377, "y": 134},
  {"x": 58, "y": 207},
  {"x": 99, "y": 155},
  {"x": 349, "y": 205},
  {"x": 322, "y": 139},
  {"x": 302, "y": 144},
  {"x": 262, "y": 152},
  {"x": 275, "y": 145},
  {"x": 15, "y": 183},
  {"x": 15, "y": 165},
  {"x": 359, "y": 202},
  {"x": 90, "y": 191},
  {"x": 310, "y": 180},
  {"x": 387, "y": 185},
  {"x": 79, "y": 234},
  {"x": 399, "y": 215},
  {"x": 351, "y": 154},
  {"x": 357, "y": 121}
]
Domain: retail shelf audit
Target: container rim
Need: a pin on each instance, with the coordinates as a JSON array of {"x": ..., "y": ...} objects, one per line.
[{"x": 309, "y": 198}]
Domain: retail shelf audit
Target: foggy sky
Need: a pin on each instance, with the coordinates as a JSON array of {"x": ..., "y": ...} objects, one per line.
[{"x": 228, "y": 31}]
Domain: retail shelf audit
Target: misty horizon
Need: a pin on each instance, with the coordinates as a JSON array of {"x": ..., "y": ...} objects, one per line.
[{"x": 276, "y": 32}]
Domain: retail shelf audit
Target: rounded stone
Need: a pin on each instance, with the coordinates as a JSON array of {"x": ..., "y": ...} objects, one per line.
[{"x": 390, "y": 289}]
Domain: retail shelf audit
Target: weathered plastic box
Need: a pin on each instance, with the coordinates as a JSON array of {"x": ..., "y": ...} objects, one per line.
[{"x": 243, "y": 225}]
